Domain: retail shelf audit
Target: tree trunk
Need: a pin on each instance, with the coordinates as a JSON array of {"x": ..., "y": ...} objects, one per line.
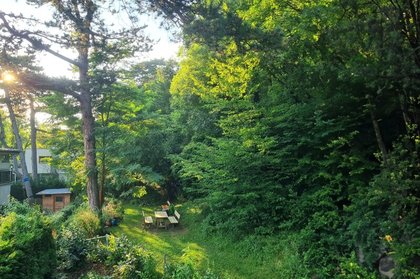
[
  {"x": 26, "y": 180},
  {"x": 88, "y": 122},
  {"x": 33, "y": 143},
  {"x": 90, "y": 152},
  {"x": 79, "y": 15},
  {"x": 377, "y": 129},
  {"x": 379, "y": 138}
]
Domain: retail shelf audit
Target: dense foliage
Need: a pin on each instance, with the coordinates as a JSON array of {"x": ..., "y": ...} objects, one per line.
[
  {"x": 288, "y": 119},
  {"x": 295, "y": 118},
  {"x": 72, "y": 249},
  {"x": 31, "y": 248},
  {"x": 126, "y": 259},
  {"x": 27, "y": 247},
  {"x": 308, "y": 126}
]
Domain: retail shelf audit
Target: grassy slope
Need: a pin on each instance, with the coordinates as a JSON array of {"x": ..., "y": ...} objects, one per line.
[{"x": 187, "y": 243}]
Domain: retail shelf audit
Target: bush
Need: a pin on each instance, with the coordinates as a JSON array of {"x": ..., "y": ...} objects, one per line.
[
  {"x": 72, "y": 249},
  {"x": 349, "y": 269},
  {"x": 390, "y": 206},
  {"x": 59, "y": 218},
  {"x": 128, "y": 260},
  {"x": 87, "y": 221},
  {"x": 27, "y": 247},
  {"x": 17, "y": 192},
  {"x": 21, "y": 208},
  {"x": 113, "y": 209}
]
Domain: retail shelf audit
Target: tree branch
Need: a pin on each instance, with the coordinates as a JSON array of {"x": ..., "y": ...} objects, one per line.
[
  {"x": 44, "y": 83},
  {"x": 36, "y": 43}
]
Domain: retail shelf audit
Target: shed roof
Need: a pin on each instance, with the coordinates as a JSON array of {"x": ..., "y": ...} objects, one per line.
[{"x": 59, "y": 191}]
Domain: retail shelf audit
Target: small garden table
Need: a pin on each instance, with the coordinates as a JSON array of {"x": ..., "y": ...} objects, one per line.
[{"x": 161, "y": 217}]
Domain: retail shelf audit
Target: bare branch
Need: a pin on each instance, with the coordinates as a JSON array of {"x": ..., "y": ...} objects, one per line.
[{"x": 36, "y": 43}]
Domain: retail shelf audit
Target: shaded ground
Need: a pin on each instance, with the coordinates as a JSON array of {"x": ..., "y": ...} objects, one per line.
[{"x": 186, "y": 243}]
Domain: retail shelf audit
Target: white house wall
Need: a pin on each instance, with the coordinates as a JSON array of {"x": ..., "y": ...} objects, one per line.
[
  {"x": 42, "y": 168},
  {"x": 5, "y": 166}
]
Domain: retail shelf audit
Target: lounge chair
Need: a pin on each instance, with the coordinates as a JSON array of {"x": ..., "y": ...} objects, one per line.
[
  {"x": 148, "y": 221},
  {"x": 177, "y": 215},
  {"x": 172, "y": 220}
]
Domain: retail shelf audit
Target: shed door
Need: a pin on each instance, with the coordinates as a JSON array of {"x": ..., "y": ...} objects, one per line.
[{"x": 58, "y": 202}]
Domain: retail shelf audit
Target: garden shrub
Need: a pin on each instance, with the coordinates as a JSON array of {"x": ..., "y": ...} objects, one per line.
[
  {"x": 407, "y": 256},
  {"x": 386, "y": 214},
  {"x": 17, "y": 192},
  {"x": 72, "y": 249},
  {"x": 180, "y": 271},
  {"x": 61, "y": 217},
  {"x": 113, "y": 209},
  {"x": 27, "y": 248},
  {"x": 21, "y": 208},
  {"x": 127, "y": 260},
  {"x": 350, "y": 268},
  {"x": 87, "y": 221}
]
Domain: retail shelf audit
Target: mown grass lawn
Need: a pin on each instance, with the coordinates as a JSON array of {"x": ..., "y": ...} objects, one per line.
[{"x": 187, "y": 243}]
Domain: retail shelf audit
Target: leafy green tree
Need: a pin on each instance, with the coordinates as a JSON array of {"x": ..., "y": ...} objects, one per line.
[
  {"x": 305, "y": 124},
  {"x": 82, "y": 28}
]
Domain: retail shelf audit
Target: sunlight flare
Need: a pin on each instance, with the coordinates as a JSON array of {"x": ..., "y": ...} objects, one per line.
[{"x": 8, "y": 77}]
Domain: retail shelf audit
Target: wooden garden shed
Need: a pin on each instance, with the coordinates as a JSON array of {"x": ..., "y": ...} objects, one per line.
[{"x": 55, "y": 199}]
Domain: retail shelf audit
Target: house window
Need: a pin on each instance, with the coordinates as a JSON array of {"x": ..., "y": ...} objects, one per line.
[
  {"x": 5, "y": 158},
  {"x": 58, "y": 199},
  {"x": 44, "y": 159}
]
